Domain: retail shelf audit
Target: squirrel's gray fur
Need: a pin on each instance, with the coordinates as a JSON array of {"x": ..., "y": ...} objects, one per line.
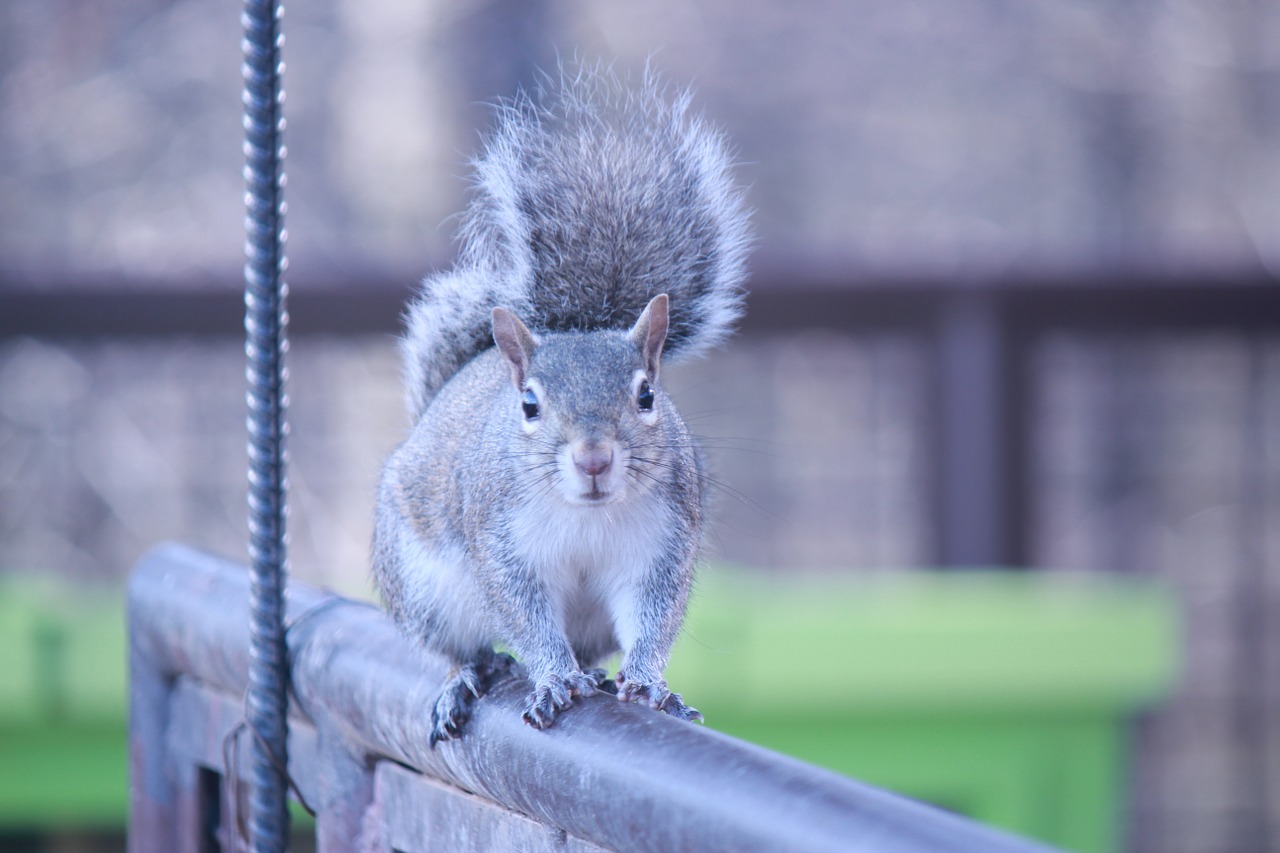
[{"x": 549, "y": 496}]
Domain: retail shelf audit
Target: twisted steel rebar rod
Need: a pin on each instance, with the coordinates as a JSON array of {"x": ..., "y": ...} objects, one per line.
[{"x": 265, "y": 347}]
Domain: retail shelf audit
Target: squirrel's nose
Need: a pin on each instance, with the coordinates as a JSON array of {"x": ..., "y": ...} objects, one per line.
[{"x": 593, "y": 459}]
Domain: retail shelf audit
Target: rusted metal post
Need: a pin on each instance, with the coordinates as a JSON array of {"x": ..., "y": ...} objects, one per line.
[{"x": 265, "y": 346}]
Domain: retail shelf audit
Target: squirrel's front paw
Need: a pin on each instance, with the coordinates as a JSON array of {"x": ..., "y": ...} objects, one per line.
[
  {"x": 453, "y": 707},
  {"x": 554, "y": 693},
  {"x": 460, "y": 692},
  {"x": 656, "y": 695}
]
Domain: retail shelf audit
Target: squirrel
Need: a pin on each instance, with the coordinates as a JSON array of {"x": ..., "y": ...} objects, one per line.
[{"x": 549, "y": 497}]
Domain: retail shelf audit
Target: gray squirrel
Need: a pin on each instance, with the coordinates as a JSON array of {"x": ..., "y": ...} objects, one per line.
[{"x": 549, "y": 497}]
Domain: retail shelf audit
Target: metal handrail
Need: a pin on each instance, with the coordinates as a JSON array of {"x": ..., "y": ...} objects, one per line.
[{"x": 618, "y": 776}]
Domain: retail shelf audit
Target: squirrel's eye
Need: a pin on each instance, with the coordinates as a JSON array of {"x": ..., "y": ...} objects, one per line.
[
  {"x": 529, "y": 403},
  {"x": 644, "y": 396}
]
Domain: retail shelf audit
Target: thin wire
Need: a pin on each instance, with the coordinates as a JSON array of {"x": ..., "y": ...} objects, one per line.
[{"x": 265, "y": 346}]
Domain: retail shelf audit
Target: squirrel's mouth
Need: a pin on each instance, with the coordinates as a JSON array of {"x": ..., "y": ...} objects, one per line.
[
  {"x": 594, "y": 492},
  {"x": 595, "y": 495}
]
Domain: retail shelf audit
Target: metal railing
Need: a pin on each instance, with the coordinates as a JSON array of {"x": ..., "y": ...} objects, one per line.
[{"x": 606, "y": 777}]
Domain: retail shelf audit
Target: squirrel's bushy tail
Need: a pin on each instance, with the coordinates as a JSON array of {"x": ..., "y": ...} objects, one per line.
[{"x": 589, "y": 200}]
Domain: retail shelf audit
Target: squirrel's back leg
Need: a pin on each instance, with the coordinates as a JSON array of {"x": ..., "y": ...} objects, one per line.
[
  {"x": 465, "y": 684},
  {"x": 592, "y": 649}
]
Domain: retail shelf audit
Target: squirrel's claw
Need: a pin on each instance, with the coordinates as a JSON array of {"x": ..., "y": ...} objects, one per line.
[
  {"x": 675, "y": 707},
  {"x": 602, "y": 681},
  {"x": 655, "y": 695},
  {"x": 453, "y": 708},
  {"x": 554, "y": 693}
]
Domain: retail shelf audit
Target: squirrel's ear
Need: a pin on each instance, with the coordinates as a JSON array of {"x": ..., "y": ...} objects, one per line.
[
  {"x": 650, "y": 333},
  {"x": 516, "y": 342}
]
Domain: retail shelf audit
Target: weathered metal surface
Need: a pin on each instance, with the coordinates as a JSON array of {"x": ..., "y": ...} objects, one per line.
[
  {"x": 620, "y": 777},
  {"x": 414, "y": 808},
  {"x": 153, "y": 795},
  {"x": 407, "y": 812}
]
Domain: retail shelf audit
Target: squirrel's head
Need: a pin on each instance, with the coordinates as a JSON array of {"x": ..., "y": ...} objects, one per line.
[{"x": 590, "y": 408}]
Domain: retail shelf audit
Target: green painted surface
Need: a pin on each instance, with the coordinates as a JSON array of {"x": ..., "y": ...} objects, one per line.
[
  {"x": 1004, "y": 696},
  {"x": 64, "y": 775},
  {"x": 63, "y": 737}
]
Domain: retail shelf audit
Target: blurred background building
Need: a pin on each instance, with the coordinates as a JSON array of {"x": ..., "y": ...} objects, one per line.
[{"x": 1014, "y": 303}]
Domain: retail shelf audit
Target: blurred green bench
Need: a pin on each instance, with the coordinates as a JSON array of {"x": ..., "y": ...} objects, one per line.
[
  {"x": 1005, "y": 696},
  {"x": 63, "y": 683}
]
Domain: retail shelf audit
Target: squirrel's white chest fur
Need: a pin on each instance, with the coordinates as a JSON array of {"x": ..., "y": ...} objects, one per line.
[
  {"x": 597, "y": 546},
  {"x": 592, "y": 559}
]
